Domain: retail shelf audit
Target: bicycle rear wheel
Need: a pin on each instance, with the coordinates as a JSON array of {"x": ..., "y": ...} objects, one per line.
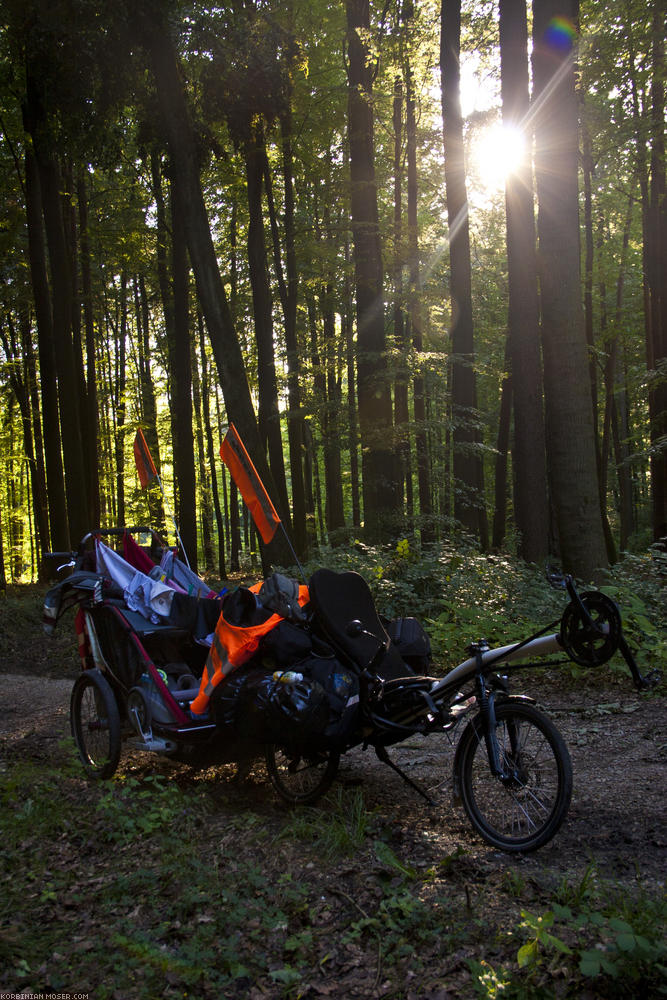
[
  {"x": 95, "y": 722},
  {"x": 300, "y": 780},
  {"x": 523, "y": 809}
]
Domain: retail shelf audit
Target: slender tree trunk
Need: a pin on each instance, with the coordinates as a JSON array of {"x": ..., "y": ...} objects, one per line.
[
  {"x": 426, "y": 523},
  {"x": 91, "y": 426},
  {"x": 352, "y": 411},
  {"x": 379, "y": 465},
  {"x": 570, "y": 435},
  {"x": 289, "y": 299},
  {"x": 203, "y": 484},
  {"x": 469, "y": 504},
  {"x": 184, "y": 456},
  {"x": 502, "y": 450},
  {"x": 120, "y": 407},
  {"x": 59, "y": 528},
  {"x": 401, "y": 411},
  {"x": 268, "y": 410},
  {"x": 531, "y": 510},
  {"x": 329, "y": 392},
  {"x": 212, "y": 459},
  {"x": 41, "y": 500}
]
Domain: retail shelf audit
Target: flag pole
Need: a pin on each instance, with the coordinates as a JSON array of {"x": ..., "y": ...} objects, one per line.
[
  {"x": 292, "y": 550},
  {"x": 178, "y": 534}
]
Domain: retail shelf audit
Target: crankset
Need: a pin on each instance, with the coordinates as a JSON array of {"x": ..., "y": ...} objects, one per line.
[{"x": 590, "y": 629}]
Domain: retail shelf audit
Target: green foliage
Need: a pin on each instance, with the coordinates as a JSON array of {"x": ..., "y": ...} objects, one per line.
[
  {"x": 337, "y": 827},
  {"x": 134, "y": 808},
  {"x": 612, "y": 943},
  {"x": 461, "y": 595}
]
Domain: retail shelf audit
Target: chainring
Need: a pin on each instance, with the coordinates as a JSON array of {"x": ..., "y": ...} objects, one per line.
[{"x": 591, "y": 644}]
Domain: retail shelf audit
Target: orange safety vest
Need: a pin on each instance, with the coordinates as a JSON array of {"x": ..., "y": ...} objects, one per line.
[{"x": 232, "y": 646}]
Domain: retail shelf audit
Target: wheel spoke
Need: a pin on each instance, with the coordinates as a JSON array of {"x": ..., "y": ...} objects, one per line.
[{"x": 524, "y": 806}]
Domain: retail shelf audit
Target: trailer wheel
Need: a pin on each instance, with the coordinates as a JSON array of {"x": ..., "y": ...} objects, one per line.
[{"x": 95, "y": 722}]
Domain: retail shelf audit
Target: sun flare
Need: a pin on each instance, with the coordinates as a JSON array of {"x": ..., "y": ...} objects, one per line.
[{"x": 498, "y": 153}]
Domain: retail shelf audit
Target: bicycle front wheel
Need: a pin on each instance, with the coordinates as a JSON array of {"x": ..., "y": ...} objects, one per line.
[{"x": 522, "y": 809}]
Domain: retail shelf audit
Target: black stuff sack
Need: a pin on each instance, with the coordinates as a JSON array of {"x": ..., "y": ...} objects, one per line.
[
  {"x": 411, "y": 641},
  {"x": 286, "y": 644}
]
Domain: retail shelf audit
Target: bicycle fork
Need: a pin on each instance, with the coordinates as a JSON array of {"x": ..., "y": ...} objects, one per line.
[{"x": 486, "y": 704}]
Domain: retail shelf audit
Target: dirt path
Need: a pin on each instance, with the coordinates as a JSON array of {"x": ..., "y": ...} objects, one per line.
[{"x": 618, "y": 747}]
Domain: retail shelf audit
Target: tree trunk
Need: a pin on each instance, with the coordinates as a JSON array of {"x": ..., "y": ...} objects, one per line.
[
  {"x": 401, "y": 411},
  {"x": 347, "y": 320},
  {"x": 61, "y": 355},
  {"x": 426, "y": 525},
  {"x": 502, "y": 449},
  {"x": 91, "y": 424},
  {"x": 184, "y": 455},
  {"x": 379, "y": 465},
  {"x": 62, "y": 305},
  {"x": 59, "y": 537},
  {"x": 531, "y": 510},
  {"x": 656, "y": 279},
  {"x": 469, "y": 505},
  {"x": 180, "y": 137},
  {"x": 289, "y": 298},
  {"x": 211, "y": 455},
  {"x": 267, "y": 384},
  {"x": 570, "y": 436}
]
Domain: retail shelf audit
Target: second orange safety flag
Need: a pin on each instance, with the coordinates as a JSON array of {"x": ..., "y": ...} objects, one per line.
[{"x": 251, "y": 487}]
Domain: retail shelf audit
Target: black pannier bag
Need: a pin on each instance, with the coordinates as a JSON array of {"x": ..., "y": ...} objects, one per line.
[
  {"x": 318, "y": 711},
  {"x": 269, "y": 711},
  {"x": 341, "y": 687},
  {"x": 412, "y": 642}
]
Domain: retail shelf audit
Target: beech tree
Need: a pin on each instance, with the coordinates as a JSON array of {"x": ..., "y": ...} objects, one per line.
[{"x": 570, "y": 438}]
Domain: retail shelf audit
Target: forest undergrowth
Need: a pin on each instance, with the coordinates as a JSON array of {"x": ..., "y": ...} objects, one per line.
[{"x": 175, "y": 882}]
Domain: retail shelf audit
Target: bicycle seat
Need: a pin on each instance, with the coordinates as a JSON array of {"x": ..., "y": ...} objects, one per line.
[{"x": 340, "y": 598}]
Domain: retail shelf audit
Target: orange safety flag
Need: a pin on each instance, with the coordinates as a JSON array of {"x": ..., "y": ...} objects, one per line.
[
  {"x": 142, "y": 457},
  {"x": 232, "y": 646},
  {"x": 237, "y": 460}
]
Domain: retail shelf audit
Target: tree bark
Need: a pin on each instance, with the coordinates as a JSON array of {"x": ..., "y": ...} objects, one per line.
[
  {"x": 531, "y": 510},
  {"x": 55, "y": 477},
  {"x": 656, "y": 279},
  {"x": 185, "y": 176},
  {"x": 379, "y": 464},
  {"x": 426, "y": 525},
  {"x": 36, "y": 124},
  {"x": 289, "y": 286},
  {"x": 570, "y": 436},
  {"x": 184, "y": 454},
  {"x": 469, "y": 505},
  {"x": 91, "y": 429},
  {"x": 267, "y": 384}
]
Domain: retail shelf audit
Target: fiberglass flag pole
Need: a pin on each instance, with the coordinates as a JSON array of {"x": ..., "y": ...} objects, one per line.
[
  {"x": 148, "y": 473},
  {"x": 253, "y": 491}
]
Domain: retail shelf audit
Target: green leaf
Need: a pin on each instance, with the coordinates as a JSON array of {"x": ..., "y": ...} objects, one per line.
[
  {"x": 386, "y": 857},
  {"x": 528, "y": 954}
]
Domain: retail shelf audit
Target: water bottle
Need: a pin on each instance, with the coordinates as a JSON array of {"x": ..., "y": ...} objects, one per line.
[{"x": 287, "y": 676}]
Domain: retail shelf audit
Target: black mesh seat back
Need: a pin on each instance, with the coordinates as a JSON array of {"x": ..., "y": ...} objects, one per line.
[{"x": 340, "y": 598}]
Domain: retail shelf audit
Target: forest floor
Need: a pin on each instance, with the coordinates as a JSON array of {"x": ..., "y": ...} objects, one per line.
[{"x": 222, "y": 891}]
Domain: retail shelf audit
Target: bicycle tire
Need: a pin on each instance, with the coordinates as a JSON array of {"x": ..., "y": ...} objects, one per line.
[
  {"x": 300, "y": 779},
  {"x": 521, "y": 812},
  {"x": 95, "y": 724}
]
